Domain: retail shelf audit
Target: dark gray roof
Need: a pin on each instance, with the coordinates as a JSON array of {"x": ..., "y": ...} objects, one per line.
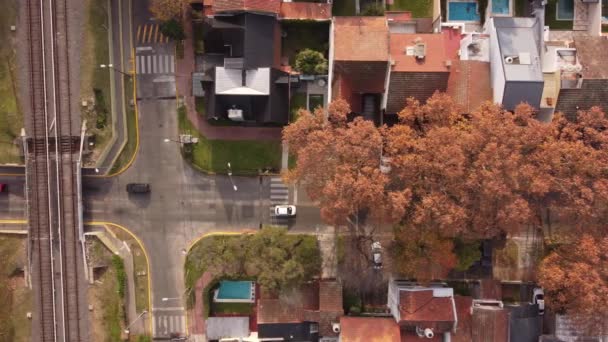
[
  {"x": 525, "y": 324},
  {"x": 519, "y": 37}
]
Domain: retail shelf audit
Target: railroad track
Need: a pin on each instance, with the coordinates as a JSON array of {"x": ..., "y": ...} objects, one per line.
[{"x": 52, "y": 176}]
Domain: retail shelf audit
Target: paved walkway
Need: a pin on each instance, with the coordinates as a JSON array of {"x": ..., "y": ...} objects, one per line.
[{"x": 184, "y": 68}]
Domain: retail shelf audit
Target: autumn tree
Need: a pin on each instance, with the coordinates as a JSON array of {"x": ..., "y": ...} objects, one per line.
[
  {"x": 575, "y": 280},
  {"x": 422, "y": 254},
  {"x": 166, "y": 10},
  {"x": 338, "y": 164}
]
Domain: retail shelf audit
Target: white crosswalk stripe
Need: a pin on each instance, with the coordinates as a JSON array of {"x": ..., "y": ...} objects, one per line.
[
  {"x": 154, "y": 64},
  {"x": 166, "y": 324},
  {"x": 279, "y": 194}
]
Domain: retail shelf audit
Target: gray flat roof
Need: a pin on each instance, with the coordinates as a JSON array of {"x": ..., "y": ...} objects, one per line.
[
  {"x": 227, "y": 327},
  {"x": 519, "y": 37}
]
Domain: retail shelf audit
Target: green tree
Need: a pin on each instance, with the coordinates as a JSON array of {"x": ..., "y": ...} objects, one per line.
[
  {"x": 373, "y": 10},
  {"x": 467, "y": 253},
  {"x": 311, "y": 62},
  {"x": 173, "y": 29}
]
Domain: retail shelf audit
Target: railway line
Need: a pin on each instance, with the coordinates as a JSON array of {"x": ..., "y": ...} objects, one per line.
[{"x": 52, "y": 178}]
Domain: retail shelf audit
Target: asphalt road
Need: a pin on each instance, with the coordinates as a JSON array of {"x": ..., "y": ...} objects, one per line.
[{"x": 183, "y": 204}]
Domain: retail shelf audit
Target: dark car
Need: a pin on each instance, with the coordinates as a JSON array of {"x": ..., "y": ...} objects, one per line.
[
  {"x": 3, "y": 187},
  {"x": 138, "y": 188}
]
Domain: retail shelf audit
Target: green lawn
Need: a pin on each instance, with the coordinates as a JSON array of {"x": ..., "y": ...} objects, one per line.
[
  {"x": 419, "y": 8},
  {"x": 127, "y": 152},
  {"x": 343, "y": 7},
  {"x": 15, "y": 298},
  {"x": 244, "y": 309},
  {"x": 140, "y": 265},
  {"x": 550, "y": 18},
  {"x": 245, "y": 156},
  {"x": 11, "y": 117},
  {"x": 95, "y": 81},
  {"x": 302, "y": 35}
]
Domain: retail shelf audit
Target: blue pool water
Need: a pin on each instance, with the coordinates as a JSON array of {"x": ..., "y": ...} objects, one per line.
[
  {"x": 500, "y": 7},
  {"x": 463, "y": 11},
  {"x": 234, "y": 290},
  {"x": 565, "y": 9}
]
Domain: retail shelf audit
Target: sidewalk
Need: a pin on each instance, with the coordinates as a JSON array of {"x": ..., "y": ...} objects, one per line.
[
  {"x": 185, "y": 67},
  {"x": 121, "y": 249}
]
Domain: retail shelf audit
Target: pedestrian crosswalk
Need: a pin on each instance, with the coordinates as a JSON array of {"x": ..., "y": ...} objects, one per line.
[
  {"x": 155, "y": 64},
  {"x": 150, "y": 33},
  {"x": 279, "y": 194},
  {"x": 166, "y": 323}
]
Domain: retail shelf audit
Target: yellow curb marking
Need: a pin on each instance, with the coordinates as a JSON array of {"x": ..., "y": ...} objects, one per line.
[{"x": 141, "y": 245}]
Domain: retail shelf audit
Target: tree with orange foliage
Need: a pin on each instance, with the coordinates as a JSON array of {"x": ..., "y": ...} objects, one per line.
[
  {"x": 575, "y": 280},
  {"x": 422, "y": 254},
  {"x": 338, "y": 164}
]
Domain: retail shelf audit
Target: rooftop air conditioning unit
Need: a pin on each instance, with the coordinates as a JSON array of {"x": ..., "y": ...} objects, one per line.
[
  {"x": 335, "y": 327},
  {"x": 420, "y": 50}
]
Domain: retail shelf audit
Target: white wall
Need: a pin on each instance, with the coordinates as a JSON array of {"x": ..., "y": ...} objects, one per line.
[
  {"x": 595, "y": 18},
  {"x": 497, "y": 75}
]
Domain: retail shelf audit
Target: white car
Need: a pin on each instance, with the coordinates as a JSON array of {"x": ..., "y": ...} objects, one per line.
[
  {"x": 538, "y": 297},
  {"x": 285, "y": 210},
  {"x": 377, "y": 255}
]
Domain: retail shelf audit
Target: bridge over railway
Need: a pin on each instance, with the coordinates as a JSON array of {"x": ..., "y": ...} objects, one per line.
[{"x": 53, "y": 142}]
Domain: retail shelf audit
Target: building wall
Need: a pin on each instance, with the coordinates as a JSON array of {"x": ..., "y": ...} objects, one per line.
[
  {"x": 516, "y": 92},
  {"x": 497, "y": 73},
  {"x": 393, "y": 300},
  {"x": 595, "y": 18},
  {"x": 419, "y": 85}
]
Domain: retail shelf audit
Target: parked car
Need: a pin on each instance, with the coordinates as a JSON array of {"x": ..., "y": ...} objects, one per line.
[
  {"x": 138, "y": 188},
  {"x": 377, "y": 255},
  {"x": 285, "y": 210},
  {"x": 3, "y": 187},
  {"x": 538, "y": 297}
]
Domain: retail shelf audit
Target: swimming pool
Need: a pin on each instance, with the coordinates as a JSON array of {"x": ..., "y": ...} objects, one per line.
[
  {"x": 235, "y": 292},
  {"x": 565, "y": 10},
  {"x": 462, "y": 11},
  {"x": 500, "y": 7}
]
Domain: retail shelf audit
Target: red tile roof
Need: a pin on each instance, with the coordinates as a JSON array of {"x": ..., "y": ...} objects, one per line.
[
  {"x": 368, "y": 329},
  {"x": 435, "y": 56},
  {"x": 277, "y": 311},
  {"x": 269, "y": 6},
  {"x": 305, "y": 10},
  {"x": 360, "y": 39},
  {"x": 420, "y": 308},
  {"x": 469, "y": 85},
  {"x": 490, "y": 324}
]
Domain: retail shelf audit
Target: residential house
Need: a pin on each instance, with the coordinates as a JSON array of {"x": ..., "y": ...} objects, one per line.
[
  {"x": 306, "y": 315},
  {"x": 360, "y": 63},
  {"x": 419, "y": 67},
  {"x": 515, "y": 45},
  {"x": 242, "y": 77},
  {"x": 584, "y": 84},
  {"x": 423, "y": 311},
  {"x": 469, "y": 84},
  {"x": 218, "y": 328},
  {"x": 493, "y": 321},
  {"x": 369, "y": 329}
]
